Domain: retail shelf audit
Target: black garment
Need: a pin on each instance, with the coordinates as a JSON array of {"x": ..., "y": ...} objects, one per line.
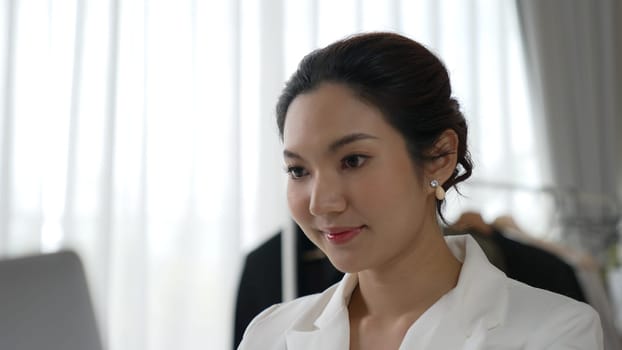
[
  {"x": 538, "y": 268},
  {"x": 260, "y": 285}
]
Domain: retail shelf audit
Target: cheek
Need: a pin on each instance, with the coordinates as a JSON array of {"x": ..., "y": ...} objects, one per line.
[
  {"x": 394, "y": 192},
  {"x": 298, "y": 202}
]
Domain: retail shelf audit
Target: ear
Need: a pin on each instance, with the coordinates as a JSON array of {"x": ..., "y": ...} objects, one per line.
[{"x": 444, "y": 157}]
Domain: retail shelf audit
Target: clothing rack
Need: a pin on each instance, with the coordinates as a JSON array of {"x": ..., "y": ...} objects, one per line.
[{"x": 587, "y": 220}]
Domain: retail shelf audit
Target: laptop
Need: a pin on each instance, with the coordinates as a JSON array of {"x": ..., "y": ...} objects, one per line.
[{"x": 45, "y": 304}]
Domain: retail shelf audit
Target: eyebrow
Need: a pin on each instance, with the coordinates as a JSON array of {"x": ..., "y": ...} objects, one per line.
[{"x": 337, "y": 144}]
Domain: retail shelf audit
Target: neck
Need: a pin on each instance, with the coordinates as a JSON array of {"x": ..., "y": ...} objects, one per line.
[{"x": 410, "y": 284}]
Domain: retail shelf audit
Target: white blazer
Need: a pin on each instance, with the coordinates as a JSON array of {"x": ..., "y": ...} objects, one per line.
[{"x": 486, "y": 310}]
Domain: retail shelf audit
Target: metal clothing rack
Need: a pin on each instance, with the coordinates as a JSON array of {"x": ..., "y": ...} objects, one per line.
[{"x": 587, "y": 220}]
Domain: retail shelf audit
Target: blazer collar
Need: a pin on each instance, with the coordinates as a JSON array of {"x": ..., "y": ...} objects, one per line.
[
  {"x": 482, "y": 287},
  {"x": 331, "y": 329},
  {"x": 479, "y": 305},
  {"x": 481, "y": 302}
]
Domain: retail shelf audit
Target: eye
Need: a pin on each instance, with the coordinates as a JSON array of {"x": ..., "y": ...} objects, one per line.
[
  {"x": 296, "y": 172},
  {"x": 354, "y": 161}
]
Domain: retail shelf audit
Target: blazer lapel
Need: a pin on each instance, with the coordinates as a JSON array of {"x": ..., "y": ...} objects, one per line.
[
  {"x": 331, "y": 329},
  {"x": 333, "y": 337},
  {"x": 481, "y": 302}
]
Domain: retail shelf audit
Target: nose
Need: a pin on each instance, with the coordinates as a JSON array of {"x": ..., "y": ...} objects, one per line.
[{"x": 326, "y": 197}]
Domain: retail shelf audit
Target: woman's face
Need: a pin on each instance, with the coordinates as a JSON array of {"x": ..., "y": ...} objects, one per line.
[{"x": 353, "y": 188}]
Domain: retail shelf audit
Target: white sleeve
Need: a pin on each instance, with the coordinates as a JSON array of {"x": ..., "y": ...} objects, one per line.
[
  {"x": 251, "y": 339},
  {"x": 570, "y": 326}
]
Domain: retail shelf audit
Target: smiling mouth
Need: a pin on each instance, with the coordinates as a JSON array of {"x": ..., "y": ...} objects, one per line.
[{"x": 342, "y": 235}]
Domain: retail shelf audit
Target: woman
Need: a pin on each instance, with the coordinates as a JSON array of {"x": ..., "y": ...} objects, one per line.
[{"x": 372, "y": 140}]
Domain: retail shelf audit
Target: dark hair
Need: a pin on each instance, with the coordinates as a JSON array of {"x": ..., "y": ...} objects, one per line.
[{"x": 399, "y": 76}]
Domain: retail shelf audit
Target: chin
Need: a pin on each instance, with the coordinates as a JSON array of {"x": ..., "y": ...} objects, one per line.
[{"x": 350, "y": 265}]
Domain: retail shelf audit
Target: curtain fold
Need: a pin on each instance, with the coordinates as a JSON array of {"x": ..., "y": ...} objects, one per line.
[
  {"x": 572, "y": 50},
  {"x": 8, "y": 63}
]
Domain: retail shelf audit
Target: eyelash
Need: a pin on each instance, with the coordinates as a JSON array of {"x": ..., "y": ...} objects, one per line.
[
  {"x": 361, "y": 158},
  {"x": 290, "y": 170}
]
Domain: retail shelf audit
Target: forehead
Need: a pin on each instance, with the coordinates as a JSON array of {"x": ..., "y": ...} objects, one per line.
[{"x": 329, "y": 112}]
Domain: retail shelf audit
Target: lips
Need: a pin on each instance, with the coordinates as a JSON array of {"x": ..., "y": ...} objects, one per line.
[{"x": 341, "y": 235}]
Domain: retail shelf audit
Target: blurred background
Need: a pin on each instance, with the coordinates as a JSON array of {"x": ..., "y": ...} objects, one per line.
[{"x": 141, "y": 134}]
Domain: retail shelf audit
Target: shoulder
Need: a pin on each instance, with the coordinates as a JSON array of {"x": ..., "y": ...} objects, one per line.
[
  {"x": 268, "y": 329},
  {"x": 551, "y": 320},
  {"x": 521, "y": 293}
]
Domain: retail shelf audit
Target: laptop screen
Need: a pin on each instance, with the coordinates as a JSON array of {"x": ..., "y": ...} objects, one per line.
[{"x": 45, "y": 304}]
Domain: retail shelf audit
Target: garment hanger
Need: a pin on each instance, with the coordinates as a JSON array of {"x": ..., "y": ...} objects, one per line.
[
  {"x": 472, "y": 221},
  {"x": 507, "y": 225}
]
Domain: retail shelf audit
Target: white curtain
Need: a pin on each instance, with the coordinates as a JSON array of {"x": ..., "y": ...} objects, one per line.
[
  {"x": 141, "y": 134},
  {"x": 573, "y": 49}
]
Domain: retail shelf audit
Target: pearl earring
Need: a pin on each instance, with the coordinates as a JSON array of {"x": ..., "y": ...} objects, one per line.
[{"x": 439, "y": 190}]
